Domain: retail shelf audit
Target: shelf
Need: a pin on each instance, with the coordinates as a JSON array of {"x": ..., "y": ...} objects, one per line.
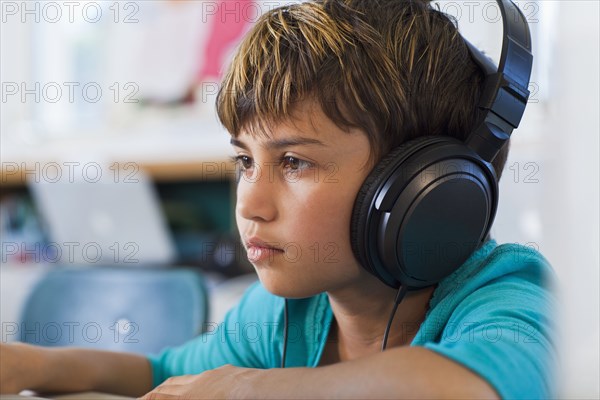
[{"x": 180, "y": 147}]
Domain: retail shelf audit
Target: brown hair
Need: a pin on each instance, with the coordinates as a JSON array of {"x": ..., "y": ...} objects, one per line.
[{"x": 396, "y": 69}]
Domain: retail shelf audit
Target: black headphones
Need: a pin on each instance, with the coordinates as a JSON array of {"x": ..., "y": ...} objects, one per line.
[{"x": 429, "y": 204}]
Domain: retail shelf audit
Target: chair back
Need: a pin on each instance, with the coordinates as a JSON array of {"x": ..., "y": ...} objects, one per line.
[{"x": 116, "y": 308}]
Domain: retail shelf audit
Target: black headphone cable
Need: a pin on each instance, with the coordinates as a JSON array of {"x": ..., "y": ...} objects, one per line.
[
  {"x": 285, "y": 331},
  {"x": 399, "y": 296}
]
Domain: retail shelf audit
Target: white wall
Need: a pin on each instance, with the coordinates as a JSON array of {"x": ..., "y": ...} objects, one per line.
[{"x": 570, "y": 204}]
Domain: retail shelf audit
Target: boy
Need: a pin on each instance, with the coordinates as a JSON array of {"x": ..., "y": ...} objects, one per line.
[{"x": 316, "y": 95}]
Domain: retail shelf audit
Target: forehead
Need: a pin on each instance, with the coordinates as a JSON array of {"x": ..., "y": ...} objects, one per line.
[{"x": 306, "y": 121}]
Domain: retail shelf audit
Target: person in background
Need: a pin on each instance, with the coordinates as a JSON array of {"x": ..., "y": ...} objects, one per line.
[{"x": 228, "y": 21}]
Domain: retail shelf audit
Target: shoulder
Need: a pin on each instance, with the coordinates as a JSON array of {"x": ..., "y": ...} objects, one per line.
[
  {"x": 510, "y": 265},
  {"x": 512, "y": 259},
  {"x": 503, "y": 281},
  {"x": 508, "y": 282},
  {"x": 496, "y": 315}
]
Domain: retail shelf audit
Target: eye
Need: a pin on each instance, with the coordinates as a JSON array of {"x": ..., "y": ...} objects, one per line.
[
  {"x": 294, "y": 163},
  {"x": 244, "y": 162}
]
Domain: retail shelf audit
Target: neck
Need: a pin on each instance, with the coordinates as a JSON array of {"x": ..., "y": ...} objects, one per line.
[{"x": 362, "y": 312}]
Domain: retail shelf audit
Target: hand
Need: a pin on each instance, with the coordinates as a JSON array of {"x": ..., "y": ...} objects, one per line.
[
  {"x": 226, "y": 382},
  {"x": 18, "y": 365}
]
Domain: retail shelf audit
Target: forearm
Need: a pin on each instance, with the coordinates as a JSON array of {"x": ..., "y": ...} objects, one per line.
[
  {"x": 407, "y": 372},
  {"x": 75, "y": 370}
]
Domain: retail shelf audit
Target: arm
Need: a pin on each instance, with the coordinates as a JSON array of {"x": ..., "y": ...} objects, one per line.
[
  {"x": 405, "y": 372},
  {"x": 72, "y": 370}
]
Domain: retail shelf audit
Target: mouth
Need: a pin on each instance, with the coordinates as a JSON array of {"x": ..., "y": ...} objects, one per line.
[{"x": 259, "y": 250}]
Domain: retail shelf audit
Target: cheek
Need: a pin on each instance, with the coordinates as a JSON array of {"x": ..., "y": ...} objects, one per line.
[
  {"x": 329, "y": 212},
  {"x": 322, "y": 218},
  {"x": 240, "y": 222}
]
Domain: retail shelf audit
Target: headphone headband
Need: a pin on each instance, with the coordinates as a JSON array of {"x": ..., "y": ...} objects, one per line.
[{"x": 505, "y": 92}]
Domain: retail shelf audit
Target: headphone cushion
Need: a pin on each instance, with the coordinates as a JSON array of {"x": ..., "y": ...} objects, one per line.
[{"x": 378, "y": 175}]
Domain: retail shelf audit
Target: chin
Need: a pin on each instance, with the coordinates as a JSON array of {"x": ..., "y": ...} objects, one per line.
[{"x": 285, "y": 287}]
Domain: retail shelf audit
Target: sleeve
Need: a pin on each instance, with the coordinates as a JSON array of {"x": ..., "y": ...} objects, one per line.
[
  {"x": 243, "y": 339},
  {"x": 505, "y": 332}
]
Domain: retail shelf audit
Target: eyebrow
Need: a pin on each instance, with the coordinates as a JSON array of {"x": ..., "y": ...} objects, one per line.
[{"x": 281, "y": 143}]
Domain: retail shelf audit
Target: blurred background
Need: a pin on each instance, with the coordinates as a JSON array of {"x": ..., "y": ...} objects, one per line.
[{"x": 111, "y": 152}]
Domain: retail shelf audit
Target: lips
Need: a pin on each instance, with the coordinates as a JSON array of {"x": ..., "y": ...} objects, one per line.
[{"x": 260, "y": 250}]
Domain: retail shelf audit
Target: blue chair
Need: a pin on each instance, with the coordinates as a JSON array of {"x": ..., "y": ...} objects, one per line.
[{"x": 115, "y": 308}]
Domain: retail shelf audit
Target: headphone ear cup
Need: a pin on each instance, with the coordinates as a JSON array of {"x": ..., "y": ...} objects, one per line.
[
  {"x": 422, "y": 211},
  {"x": 366, "y": 195}
]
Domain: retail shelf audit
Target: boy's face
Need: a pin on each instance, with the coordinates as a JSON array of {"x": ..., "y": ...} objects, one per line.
[{"x": 295, "y": 194}]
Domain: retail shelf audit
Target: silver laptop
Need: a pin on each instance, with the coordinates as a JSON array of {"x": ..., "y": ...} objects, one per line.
[{"x": 102, "y": 220}]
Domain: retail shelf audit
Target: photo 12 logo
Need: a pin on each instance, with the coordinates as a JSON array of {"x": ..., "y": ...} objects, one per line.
[
  {"x": 70, "y": 252},
  {"x": 70, "y": 172},
  {"x": 70, "y": 332},
  {"x": 488, "y": 10},
  {"x": 71, "y": 92},
  {"x": 53, "y": 12},
  {"x": 229, "y": 12}
]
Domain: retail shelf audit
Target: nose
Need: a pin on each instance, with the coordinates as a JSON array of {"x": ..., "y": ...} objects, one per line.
[{"x": 256, "y": 196}]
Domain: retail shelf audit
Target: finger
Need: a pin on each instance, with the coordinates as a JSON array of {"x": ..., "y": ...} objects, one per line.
[
  {"x": 162, "y": 393},
  {"x": 180, "y": 380},
  {"x": 170, "y": 388},
  {"x": 159, "y": 396}
]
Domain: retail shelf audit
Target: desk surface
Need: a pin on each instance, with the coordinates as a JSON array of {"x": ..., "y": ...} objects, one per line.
[{"x": 72, "y": 396}]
